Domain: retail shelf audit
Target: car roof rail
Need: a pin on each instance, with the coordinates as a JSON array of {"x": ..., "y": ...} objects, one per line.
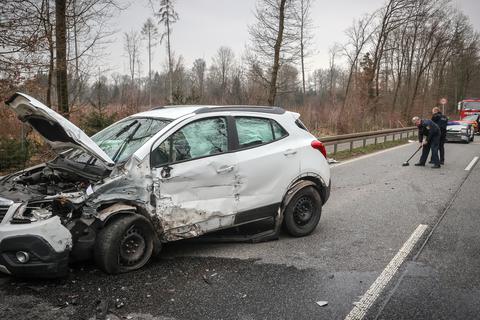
[{"x": 261, "y": 109}]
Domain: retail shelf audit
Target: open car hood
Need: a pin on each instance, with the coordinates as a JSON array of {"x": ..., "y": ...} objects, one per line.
[{"x": 57, "y": 131}]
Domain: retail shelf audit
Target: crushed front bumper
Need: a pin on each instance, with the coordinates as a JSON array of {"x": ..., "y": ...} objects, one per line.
[
  {"x": 46, "y": 242},
  {"x": 44, "y": 261}
]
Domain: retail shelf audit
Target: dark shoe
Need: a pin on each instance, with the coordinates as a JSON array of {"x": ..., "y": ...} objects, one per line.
[
  {"x": 420, "y": 164},
  {"x": 442, "y": 163},
  {"x": 436, "y": 166},
  {"x": 430, "y": 161}
]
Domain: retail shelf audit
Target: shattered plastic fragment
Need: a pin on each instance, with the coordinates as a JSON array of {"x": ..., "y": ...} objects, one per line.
[{"x": 322, "y": 303}]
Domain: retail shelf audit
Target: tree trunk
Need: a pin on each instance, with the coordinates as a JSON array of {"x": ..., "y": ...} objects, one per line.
[
  {"x": 149, "y": 67},
  {"x": 276, "y": 61},
  {"x": 49, "y": 32},
  {"x": 170, "y": 80},
  {"x": 61, "y": 49}
]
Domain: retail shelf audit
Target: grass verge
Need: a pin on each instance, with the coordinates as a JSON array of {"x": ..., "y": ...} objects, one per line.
[{"x": 347, "y": 154}]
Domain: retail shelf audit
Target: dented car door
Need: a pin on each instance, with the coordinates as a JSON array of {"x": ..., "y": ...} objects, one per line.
[
  {"x": 259, "y": 158},
  {"x": 194, "y": 179}
]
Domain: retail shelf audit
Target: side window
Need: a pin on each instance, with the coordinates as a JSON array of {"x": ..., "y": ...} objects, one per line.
[
  {"x": 197, "y": 139},
  {"x": 256, "y": 131},
  {"x": 253, "y": 131},
  {"x": 278, "y": 131}
]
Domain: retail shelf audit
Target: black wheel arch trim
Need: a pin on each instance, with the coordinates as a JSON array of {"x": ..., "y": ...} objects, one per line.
[{"x": 304, "y": 180}]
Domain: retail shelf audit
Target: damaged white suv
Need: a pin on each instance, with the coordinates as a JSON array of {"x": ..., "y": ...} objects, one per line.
[{"x": 166, "y": 174}]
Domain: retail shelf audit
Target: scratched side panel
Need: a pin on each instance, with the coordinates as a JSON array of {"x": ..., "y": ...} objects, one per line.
[{"x": 197, "y": 198}]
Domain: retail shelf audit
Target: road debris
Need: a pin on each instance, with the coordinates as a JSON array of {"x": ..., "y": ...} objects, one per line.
[
  {"x": 206, "y": 280},
  {"x": 322, "y": 303},
  {"x": 119, "y": 304}
]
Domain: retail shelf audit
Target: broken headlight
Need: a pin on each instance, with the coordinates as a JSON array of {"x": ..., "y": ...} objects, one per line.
[{"x": 32, "y": 213}]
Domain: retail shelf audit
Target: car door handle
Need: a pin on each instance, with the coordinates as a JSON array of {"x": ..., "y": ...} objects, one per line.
[
  {"x": 290, "y": 152},
  {"x": 224, "y": 169}
]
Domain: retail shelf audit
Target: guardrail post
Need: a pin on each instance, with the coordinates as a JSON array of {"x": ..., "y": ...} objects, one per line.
[
  {"x": 335, "y": 148},
  {"x": 351, "y": 145},
  {"x": 393, "y": 138},
  {"x": 364, "y": 142}
]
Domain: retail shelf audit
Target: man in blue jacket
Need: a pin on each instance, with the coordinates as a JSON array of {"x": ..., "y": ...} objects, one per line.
[
  {"x": 431, "y": 131},
  {"x": 442, "y": 121}
]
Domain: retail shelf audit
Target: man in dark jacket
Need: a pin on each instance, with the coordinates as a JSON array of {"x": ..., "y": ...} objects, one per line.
[
  {"x": 442, "y": 121},
  {"x": 430, "y": 130}
]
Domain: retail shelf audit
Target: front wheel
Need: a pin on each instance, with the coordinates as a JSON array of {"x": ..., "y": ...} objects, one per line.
[
  {"x": 124, "y": 245},
  {"x": 303, "y": 212}
]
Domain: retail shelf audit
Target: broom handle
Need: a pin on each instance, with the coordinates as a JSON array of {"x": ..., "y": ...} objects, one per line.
[{"x": 413, "y": 155}]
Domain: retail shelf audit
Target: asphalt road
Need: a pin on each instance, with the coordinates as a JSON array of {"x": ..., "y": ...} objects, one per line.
[{"x": 375, "y": 206}]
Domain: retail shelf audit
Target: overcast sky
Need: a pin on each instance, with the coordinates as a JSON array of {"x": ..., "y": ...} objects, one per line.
[{"x": 205, "y": 25}]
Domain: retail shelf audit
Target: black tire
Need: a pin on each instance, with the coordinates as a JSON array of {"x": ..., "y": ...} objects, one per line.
[
  {"x": 303, "y": 212},
  {"x": 125, "y": 244}
]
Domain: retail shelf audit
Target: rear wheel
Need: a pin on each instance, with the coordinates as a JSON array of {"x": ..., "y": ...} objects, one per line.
[
  {"x": 125, "y": 244},
  {"x": 303, "y": 212}
]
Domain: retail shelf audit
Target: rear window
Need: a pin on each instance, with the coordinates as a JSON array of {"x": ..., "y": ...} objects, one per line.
[{"x": 300, "y": 124}]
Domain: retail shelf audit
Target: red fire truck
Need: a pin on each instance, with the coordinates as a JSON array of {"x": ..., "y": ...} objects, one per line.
[
  {"x": 470, "y": 112},
  {"x": 468, "y": 107}
]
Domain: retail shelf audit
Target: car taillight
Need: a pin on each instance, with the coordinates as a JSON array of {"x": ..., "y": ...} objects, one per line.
[{"x": 319, "y": 146}]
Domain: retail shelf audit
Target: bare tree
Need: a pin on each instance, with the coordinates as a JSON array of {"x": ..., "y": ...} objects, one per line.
[
  {"x": 273, "y": 36},
  {"x": 132, "y": 48},
  {"x": 150, "y": 32},
  {"x": 167, "y": 16},
  {"x": 333, "y": 73},
  {"x": 198, "y": 70},
  {"x": 61, "y": 60},
  {"x": 87, "y": 32},
  {"x": 22, "y": 37},
  {"x": 358, "y": 35},
  {"x": 302, "y": 14},
  {"x": 223, "y": 63},
  {"x": 393, "y": 15}
]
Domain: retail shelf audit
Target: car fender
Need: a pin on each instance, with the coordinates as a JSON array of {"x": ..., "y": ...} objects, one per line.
[
  {"x": 107, "y": 213},
  {"x": 297, "y": 186}
]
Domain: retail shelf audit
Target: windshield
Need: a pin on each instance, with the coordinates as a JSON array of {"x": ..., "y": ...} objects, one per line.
[
  {"x": 471, "y": 105},
  {"x": 122, "y": 139}
]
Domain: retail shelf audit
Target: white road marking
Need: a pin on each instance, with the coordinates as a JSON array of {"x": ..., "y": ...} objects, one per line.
[
  {"x": 361, "y": 308},
  {"x": 368, "y": 155},
  {"x": 471, "y": 164}
]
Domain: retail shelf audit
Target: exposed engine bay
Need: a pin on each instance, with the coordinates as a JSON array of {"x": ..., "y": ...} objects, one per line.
[
  {"x": 48, "y": 192},
  {"x": 47, "y": 181}
]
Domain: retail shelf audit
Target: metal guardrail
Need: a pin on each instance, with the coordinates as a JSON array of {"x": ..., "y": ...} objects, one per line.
[{"x": 364, "y": 136}]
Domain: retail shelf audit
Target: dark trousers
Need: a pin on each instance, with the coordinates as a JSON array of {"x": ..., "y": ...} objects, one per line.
[
  {"x": 433, "y": 145},
  {"x": 441, "y": 149}
]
